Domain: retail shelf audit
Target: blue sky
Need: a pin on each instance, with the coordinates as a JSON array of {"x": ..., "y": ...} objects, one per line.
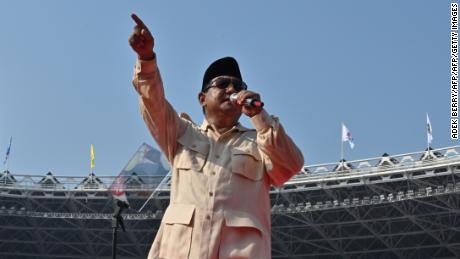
[{"x": 66, "y": 70}]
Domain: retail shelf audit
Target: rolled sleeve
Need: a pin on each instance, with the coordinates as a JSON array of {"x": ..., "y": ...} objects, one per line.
[
  {"x": 283, "y": 158},
  {"x": 262, "y": 121},
  {"x": 146, "y": 66}
]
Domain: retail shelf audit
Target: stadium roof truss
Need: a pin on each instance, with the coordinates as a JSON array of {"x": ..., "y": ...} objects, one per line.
[{"x": 404, "y": 206}]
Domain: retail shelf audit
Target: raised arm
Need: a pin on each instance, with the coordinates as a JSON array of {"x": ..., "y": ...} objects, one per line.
[{"x": 162, "y": 120}]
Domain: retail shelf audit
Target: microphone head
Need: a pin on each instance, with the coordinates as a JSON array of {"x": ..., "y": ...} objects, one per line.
[{"x": 233, "y": 97}]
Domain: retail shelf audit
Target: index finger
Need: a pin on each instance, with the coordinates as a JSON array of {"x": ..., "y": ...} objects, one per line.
[{"x": 138, "y": 21}]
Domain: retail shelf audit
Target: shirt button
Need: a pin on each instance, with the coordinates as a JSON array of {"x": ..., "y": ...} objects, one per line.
[
  {"x": 208, "y": 217},
  {"x": 213, "y": 173},
  {"x": 210, "y": 194},
  {"x": 217, "y": 156}
]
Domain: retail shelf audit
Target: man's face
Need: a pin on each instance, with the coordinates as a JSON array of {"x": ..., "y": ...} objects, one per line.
[{"x": 216, "y": 98}]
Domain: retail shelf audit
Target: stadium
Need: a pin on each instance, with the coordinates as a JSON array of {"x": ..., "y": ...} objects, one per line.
[{"x": 400, "y": 206}]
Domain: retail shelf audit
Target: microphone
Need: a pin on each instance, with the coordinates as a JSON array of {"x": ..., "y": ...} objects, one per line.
[{"x": 247, "y": 101}]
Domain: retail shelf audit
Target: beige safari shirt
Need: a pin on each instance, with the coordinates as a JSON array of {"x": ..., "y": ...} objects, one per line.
[{"x": 220, "y": 204}]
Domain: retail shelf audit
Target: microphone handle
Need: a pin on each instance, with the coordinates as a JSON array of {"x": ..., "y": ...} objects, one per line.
[
  {"x": 253, "y": 102},
  {"x": 248, "y": 101}
]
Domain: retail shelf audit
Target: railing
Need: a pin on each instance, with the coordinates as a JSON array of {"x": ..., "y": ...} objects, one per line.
[
  {"x": 70, "y": 183},
  {"x": 400, "y": 162},
  {"x": 381, "y": 164}
]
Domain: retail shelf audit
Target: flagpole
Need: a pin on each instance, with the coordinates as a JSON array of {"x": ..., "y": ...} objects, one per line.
[
  {"x": 92, "y": 159},
  {"x": 427, "y": 140},
  {"x": 341, "y": 142},
  {"x": 426, "y": 129},
  {"x": 6, "y": 169},
  {"x": 6, "y": 162},
  {"x": 341, "y": 149},
  {"x": 7, "y": 158}
]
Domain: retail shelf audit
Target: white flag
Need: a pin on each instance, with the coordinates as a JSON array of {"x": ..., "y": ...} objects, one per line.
[
  {"x": 346, "y": 136},
  {"x": 429, "y": 130}
]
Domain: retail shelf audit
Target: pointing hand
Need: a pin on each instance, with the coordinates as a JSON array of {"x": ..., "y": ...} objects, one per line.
[{"x": 141, "y": 40}]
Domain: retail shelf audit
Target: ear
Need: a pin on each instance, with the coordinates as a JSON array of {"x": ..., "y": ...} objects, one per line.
[{"x": 202, "y": 98}]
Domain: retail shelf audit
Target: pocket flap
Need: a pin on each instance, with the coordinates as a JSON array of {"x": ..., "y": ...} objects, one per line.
[
  {"x": 192, "y": 154},
  {"x": 189, "y": 142},
  {"x": 234, "y": 218},
  {"x": 247, "y": 163},
  {"x": 179, "y": 214},
  {"x": 249, "y": 151},
  {"x": 183, "y": 162}
]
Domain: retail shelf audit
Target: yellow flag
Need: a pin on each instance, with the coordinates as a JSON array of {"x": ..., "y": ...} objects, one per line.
[{"x": 92, "y": 156}]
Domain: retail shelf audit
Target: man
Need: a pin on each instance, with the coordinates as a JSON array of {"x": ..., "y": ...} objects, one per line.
[{"x": 221, "y": 171}]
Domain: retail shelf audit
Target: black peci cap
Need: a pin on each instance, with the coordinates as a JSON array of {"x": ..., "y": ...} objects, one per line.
[{"x": 222, "y": 67}]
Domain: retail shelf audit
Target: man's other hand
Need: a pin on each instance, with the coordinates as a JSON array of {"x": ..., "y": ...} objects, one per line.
[{"x": 248, "y": 110}]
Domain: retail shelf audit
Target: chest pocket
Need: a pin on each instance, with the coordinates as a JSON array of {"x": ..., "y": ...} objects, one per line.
[
  {"x": 193, "y": 154},
  {"x": 247, "y": 162}
]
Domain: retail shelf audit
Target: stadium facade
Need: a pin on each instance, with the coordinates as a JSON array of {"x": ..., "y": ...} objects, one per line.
[{"x": 403, "y": 206}]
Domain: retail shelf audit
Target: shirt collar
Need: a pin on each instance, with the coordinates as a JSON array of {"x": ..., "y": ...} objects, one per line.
[{"x": 205, "y": 126}]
